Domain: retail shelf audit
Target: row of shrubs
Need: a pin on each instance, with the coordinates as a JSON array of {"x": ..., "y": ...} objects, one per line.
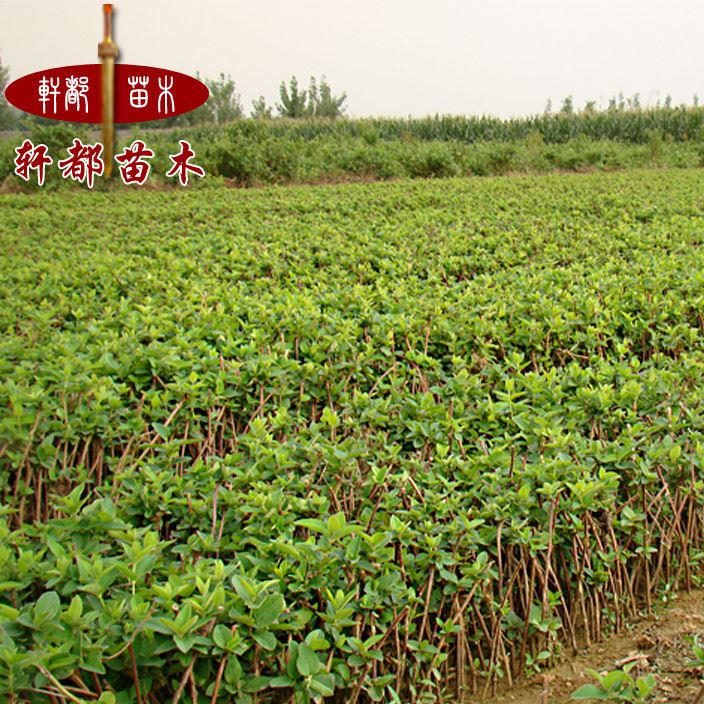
[
  {"x": 681, "y": 124},
  {"x": 244, "y": 159}
]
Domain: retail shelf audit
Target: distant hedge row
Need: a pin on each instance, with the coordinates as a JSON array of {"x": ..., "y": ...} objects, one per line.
[
  {"x": 257, "y": 152},
  {"x": 681, "y": 124}
]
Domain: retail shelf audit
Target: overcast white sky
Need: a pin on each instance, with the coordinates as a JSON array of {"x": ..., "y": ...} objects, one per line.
[{"x": 392, "y": 57}]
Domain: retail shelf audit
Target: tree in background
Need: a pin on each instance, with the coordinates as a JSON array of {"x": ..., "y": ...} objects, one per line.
[
  {"x": 224, "y": 102},
  {"x": 317, "y": 101},
  {"x": 8, "y": 117},
  {"x": 223, "y": 105},
  {"x": 260, "y": 110},
  {"x": 567, "y": 106},
  {"x": 294, "y": 102},
  {"x": 323, "y": 102}
]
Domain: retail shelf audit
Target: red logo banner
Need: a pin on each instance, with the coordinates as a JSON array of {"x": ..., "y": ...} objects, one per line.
[{"x": 74, "y": 93}]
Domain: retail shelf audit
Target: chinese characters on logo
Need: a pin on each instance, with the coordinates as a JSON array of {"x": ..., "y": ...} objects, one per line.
[
  {"x": 75, "y": 97},
  {"x": 72, "y": 95},
  {"x": 31, "y": 158},
  {"x": 139, "y": 97},
  {"x": 84, "y": 162},
  {"x": 48, "y": 87},
  {"x": 166, "y": 98},
  {"x": 76, "y": 88},
  {"x": 181, "y": 164},
  {"x": 133, "y": 167}
]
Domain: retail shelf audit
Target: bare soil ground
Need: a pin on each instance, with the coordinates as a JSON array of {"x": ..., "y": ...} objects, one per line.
[{"x": 660, "y": 644}]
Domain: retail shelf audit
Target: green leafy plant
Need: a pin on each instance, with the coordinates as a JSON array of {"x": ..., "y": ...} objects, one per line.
[
  {"x": 356, "y": 443},
  {"x": 698, "y": 661},
  {"x": 617, "y": 686}
]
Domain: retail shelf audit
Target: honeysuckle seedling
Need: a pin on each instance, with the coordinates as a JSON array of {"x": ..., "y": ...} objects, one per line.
[{"x": 359, "y": 442}]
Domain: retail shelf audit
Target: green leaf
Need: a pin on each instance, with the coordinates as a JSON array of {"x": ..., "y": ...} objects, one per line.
[
  {"x": 698, "y": 654},
  {"x": 281, "y": 681},
  {"x": 317, "y": 641},
  {"x": 313, "y": 524},
  {"x": 184, "y": 644},
  {"x": 72, "y": 615},
  {"x": 266, "y": 639},
  {"x": 245, "y": 588},
  {"x": 9, "y": 586},
  {"x": 47, "y": 608},
  {"x": 162, "y": 431},
  {"x": 307, "y": 662},
  {"x": 94, "y": 663},
  {"x": 269, "y": 610},
  {"x": 645, "y": 685},
  {"x": 375, "y": 693},
  {"x": 7, "y": 613},
  {"x": 233, "y": 670},
  {"x": 615, "y": 680},
  {"x": 337, "y": 526},
  {"x": 330, "y": 418},
  {"x": 256, "y": 684},
  {"x": 590, "y": 691},
  {"x": 221, "y": 636},
  {"x": 323, "y": 683}
]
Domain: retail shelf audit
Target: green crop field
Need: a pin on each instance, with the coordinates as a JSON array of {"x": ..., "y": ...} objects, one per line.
[{"x": 396, "y": 442}]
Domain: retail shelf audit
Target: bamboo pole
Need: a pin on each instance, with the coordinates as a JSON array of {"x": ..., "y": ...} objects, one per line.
[{"x": 107, "y": 52}]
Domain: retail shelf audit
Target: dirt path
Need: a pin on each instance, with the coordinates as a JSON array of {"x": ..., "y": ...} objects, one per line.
[{"x": 660, "y": 645}]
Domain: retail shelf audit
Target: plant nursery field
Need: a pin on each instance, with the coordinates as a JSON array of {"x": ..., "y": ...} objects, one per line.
[{"x": 396, "y": 442}]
